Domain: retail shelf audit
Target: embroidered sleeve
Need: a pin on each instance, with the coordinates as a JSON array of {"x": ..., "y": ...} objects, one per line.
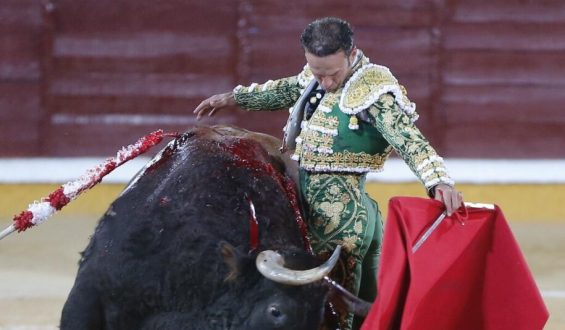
[
  {"x": 272, "y": 95},
  {"x": 407, "y": 140}
]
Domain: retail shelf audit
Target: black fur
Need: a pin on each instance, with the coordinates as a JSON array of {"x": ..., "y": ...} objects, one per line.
[{"x": 156, "y": 261}]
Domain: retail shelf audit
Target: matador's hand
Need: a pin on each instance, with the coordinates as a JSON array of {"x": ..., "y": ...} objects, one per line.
[
  {"x": 213, "y": 104},
  {"x": 449, "y": 196}
]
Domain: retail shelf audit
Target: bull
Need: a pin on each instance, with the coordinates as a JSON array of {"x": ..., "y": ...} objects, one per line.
[{"x": 207, "y": 236}]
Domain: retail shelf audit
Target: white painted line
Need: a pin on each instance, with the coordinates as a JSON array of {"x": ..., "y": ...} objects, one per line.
[
  {"x": 474, "y": 171},
  {"x": 483, "y": 171},
  {"x": 553, "y": 294},
  {"x": 62, "y": 170},
  {"x": 28, "y": 327}
]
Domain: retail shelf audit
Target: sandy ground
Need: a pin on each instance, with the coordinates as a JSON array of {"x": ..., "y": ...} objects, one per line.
[{"x": 37, "y": 269}]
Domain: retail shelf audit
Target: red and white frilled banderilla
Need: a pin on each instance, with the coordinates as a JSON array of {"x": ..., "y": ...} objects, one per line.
[{"x": 39, "y": 211}]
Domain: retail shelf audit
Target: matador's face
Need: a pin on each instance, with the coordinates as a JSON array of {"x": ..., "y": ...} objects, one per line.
[{"x": 331, "y": 71}]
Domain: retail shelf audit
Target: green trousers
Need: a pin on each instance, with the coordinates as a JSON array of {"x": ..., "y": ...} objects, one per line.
[{"x": 339, "y": 212}]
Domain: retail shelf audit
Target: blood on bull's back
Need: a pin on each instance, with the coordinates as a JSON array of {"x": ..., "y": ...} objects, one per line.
[{"x": 178, "y": 248}]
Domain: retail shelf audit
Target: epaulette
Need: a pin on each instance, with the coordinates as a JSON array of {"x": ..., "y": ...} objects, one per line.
[
  {"x": 305, "y": 77},
  {"x": 365, "y": 87}
]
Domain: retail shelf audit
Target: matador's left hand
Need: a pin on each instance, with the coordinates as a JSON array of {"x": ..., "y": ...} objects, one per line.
[{"x": 449, "y": 196}]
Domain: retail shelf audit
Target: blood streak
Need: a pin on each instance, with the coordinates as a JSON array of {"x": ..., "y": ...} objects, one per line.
[
  {"x": 248, "y": 155},
  {"x": 253, "y": 227}
]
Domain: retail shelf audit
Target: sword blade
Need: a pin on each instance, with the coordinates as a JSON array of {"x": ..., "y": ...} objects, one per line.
[
  {"x": 440, "y": 219},
  {"x": 428, "y": 232}
]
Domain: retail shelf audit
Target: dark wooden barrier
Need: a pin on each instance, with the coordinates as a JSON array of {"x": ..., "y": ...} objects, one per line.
[{"x": 84, "y": 77}]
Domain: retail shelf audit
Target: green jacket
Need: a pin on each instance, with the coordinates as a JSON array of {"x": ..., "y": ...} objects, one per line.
[{"x": 355, "y": 128}]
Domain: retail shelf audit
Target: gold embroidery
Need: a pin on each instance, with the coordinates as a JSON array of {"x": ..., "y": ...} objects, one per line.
[
  {"x": 317, "y": 138},
  {"x": 323, "y": 120},
  {"x": 358, "y": 228},
  {"x": 359, "y": 90},
  {"x": 368, "y": 84},
  {"x": 408, "y": 142},
  {"x": 342, "y": 161},
  {"x": 333, "y": 212},
  {"x": 349, "y": 243},
  {"x": 316, "y": 142},
  {"x": 345, "y": 198},
  {"x": 313, "y": 139},
  {"x": 330, "y": 99},
  {"x": 387, "y": 100},
  {"x": 272, "y": 95},
  {"x": 315, "y": 150},
  {"x": 332, "y": 218},
  {"x": 305, "y": 76}
]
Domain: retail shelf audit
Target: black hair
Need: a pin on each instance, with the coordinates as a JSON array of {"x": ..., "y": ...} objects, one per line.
[{"x": 326, "y": 36}]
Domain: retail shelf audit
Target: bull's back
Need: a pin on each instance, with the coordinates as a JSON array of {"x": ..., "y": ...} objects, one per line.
[
  {"x": 199, "y": 191},
  {"x": 205, "y": 182}
]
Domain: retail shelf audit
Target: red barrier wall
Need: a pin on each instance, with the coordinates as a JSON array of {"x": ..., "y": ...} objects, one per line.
[{"x": 84, "y": 77}]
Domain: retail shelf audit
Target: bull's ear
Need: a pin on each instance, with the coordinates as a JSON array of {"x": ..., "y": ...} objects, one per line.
[{"x": 232, "y": 258}]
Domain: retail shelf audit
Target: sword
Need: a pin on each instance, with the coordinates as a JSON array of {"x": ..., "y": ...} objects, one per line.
[
  {"x": 440, "y": 219},
  {"x": 428, "y": 232}
]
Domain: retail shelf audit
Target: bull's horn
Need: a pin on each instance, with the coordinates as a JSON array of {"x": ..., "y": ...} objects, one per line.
[{"x": 271, "y": 265}]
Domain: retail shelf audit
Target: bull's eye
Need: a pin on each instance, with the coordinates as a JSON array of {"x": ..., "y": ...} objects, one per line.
[{"x": 274, "y": 311}]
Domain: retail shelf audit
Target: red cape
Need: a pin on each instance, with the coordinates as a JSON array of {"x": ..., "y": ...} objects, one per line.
[{"x": 470, "y": 276}]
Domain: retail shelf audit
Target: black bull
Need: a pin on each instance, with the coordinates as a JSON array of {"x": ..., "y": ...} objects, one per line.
[{"x": 179, "y": 249}]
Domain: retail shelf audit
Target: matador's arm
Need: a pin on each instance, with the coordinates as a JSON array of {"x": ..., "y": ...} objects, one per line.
[
  {"x": 272, "y": 95},
  {"x": 407, "y": 140}
]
